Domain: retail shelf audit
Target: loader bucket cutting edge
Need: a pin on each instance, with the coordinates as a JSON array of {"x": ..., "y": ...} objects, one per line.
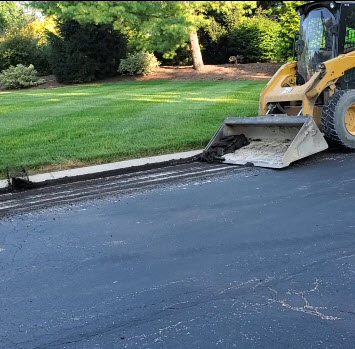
[{"x": 271, "y": 140}]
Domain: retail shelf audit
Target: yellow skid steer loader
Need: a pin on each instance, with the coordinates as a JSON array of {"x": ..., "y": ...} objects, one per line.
[{"x": 308, "y": 104}]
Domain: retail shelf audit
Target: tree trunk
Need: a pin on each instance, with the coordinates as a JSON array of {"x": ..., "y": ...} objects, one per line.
[{"x": 196, "y": 51}]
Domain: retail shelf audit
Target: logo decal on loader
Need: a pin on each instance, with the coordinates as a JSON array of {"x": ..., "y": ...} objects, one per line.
[{"x": 287, "y": 90}]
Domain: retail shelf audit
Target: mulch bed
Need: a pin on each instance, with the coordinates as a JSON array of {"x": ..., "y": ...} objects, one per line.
[{"x": 251, "y": 71}]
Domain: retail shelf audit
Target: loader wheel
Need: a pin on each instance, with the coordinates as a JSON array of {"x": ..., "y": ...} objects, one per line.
[{"x": 338, "y": 119}]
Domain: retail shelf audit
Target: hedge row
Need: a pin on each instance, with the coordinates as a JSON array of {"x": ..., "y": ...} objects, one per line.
[
  {"x": 254, "y": 39},
  {"x": 82, "y": 53}
]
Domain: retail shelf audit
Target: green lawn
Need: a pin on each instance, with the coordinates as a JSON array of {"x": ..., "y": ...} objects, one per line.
[{"x": 72, "y": 126}]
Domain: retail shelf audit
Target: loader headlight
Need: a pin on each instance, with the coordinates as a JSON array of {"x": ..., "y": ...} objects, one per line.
[
  {"x": 332, "y": 5},
  {"x": 299, "y": 12}
]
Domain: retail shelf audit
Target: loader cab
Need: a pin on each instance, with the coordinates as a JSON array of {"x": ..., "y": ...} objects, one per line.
[{"x": 327, "y": 29}]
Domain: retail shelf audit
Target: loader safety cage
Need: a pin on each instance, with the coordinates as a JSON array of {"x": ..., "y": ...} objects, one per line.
[{"x": 327, "y": 29}]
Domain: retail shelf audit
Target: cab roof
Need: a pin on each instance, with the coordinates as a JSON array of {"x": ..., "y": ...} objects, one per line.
[{"x": 309, "y": 6}]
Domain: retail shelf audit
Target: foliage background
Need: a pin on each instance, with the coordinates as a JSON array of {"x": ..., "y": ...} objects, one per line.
[{"x": 61, "y": 37}]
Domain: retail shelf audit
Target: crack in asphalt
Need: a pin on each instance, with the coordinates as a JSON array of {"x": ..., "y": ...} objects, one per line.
[
  {"x": 307, "y": 307},
  {"x": 227, "y": 293}
]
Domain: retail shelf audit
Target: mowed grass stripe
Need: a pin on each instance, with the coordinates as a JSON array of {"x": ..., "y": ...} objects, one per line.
[{"x": 113, "y": 121}]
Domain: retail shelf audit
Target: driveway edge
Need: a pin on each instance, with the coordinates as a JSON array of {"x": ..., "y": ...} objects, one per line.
[{"x": 105, "y": 170}]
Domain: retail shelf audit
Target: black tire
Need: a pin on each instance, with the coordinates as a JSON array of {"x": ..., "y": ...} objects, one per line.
[{"x": 333, "y": 119}]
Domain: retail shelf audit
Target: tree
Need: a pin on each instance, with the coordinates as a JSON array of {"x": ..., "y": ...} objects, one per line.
[
  {"x": 85, "y": 52},
  {"x": 11, "y": 15},
  {"x": 17, "y": 19},
  {"x": 289, "y": 21},
  {"x": 39, "y": 28},
  {"x": 23, "y": 34},
  {"x": 285, "y": 13},
  {"x": 161, "y": 26}
]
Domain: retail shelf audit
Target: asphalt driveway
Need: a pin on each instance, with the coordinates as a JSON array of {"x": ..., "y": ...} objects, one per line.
[{"x": 244, "y": 258}]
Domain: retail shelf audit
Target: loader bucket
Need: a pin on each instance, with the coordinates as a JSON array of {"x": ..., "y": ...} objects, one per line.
[{"x": 267, "y": 141}]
